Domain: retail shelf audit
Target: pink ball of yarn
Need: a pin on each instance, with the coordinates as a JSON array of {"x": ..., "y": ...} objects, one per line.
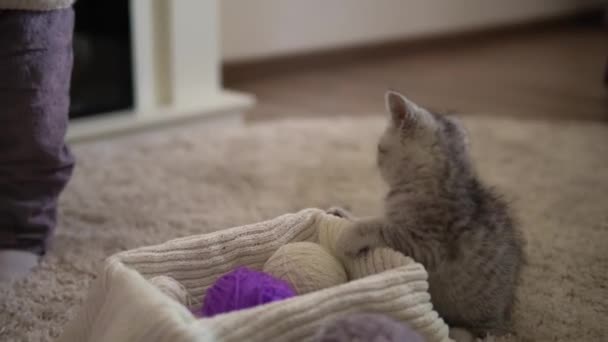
[{"x": 244, "y": 288}]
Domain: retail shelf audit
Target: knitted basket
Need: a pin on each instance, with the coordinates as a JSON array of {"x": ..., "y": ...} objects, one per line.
[{"x": 123, "y": 305}]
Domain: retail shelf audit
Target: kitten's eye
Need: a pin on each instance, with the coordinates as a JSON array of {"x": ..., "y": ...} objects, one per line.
[{"x": 382, "y": 150}]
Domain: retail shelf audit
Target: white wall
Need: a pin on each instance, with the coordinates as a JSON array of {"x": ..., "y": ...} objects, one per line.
[{"x": 261, "y": 28}]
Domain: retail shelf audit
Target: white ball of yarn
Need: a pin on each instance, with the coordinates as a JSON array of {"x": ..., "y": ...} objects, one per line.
[
  {"x": 307, "y": 266},
  {"x": 329, "y": 229}
]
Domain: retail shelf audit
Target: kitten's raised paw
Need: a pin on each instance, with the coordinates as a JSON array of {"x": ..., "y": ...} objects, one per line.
[
  {"x": 340, "y": 212},
  {"x": 355, "y": 241},
  {"x": 349, "y": 248},
  {"x": 461, "y": 335}
]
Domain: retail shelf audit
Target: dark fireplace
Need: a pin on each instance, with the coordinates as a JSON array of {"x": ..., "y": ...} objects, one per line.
[{"x": 102, "y": 78}]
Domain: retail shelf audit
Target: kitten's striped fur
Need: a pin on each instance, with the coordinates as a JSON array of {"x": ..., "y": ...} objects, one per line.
[{"x": 438, "y": 212}]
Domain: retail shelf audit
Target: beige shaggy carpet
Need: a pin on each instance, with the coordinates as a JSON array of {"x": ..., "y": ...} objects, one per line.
[{"x": 151, "y": 187}]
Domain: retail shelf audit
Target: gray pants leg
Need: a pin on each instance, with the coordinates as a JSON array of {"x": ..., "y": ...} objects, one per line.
[{"x": 35, "y": 163}]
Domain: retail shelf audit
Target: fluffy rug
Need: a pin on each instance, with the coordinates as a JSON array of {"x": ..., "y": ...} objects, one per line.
[{"x": 148, "y": 188}]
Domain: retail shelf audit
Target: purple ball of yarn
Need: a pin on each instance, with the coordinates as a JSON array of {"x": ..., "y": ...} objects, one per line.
[
  {"x": 244, "y": 288},
  {"x": 366, "y": 327}
]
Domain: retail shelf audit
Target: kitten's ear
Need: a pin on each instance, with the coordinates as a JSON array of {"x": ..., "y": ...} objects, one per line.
[{"x": 404, "y": 113}]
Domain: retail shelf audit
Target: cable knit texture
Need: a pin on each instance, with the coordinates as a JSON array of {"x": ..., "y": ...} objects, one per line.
[
  {"x": 35, "y": 5},
  {"x": 197, "y": 261}
]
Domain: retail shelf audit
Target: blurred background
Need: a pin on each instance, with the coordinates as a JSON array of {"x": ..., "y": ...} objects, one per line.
[{"x": 308, "y": 58}]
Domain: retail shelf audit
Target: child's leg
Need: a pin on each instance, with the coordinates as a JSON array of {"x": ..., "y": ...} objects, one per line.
[{"x": 35, "y": 164}]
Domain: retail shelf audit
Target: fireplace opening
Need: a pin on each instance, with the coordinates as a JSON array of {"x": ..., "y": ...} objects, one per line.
[{"x": 102, "y": 77}]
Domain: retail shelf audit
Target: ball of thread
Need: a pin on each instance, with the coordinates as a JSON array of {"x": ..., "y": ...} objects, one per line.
[
  {"x": 241, "y": 289},
  {"x": 172, "y": 288},
  {"x": 329, "y": 228},
  {"x": 307, "y": 266},
  {"x": 366, "y": 327}
]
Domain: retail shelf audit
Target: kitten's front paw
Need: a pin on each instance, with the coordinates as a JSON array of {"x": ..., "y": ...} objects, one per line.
[
  {"x": 461, "y": 335},
  {"x": 355, "y": 241},
  {"x": 340, "y": 212}
]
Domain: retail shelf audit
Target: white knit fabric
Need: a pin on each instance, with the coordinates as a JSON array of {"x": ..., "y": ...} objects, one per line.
[
  {"x": 124, "y": 306},
  {"x": 35, "y": 5}
]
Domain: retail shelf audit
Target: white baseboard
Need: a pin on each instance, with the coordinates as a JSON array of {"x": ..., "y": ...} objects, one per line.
[{"x": 227, "y": 106}]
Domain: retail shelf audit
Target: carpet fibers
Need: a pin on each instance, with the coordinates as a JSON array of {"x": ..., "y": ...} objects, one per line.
[{"x": 148, "y": 188}]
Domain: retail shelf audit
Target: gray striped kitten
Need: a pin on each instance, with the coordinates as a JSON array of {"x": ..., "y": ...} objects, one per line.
[{"x": 438, "y": 212}]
